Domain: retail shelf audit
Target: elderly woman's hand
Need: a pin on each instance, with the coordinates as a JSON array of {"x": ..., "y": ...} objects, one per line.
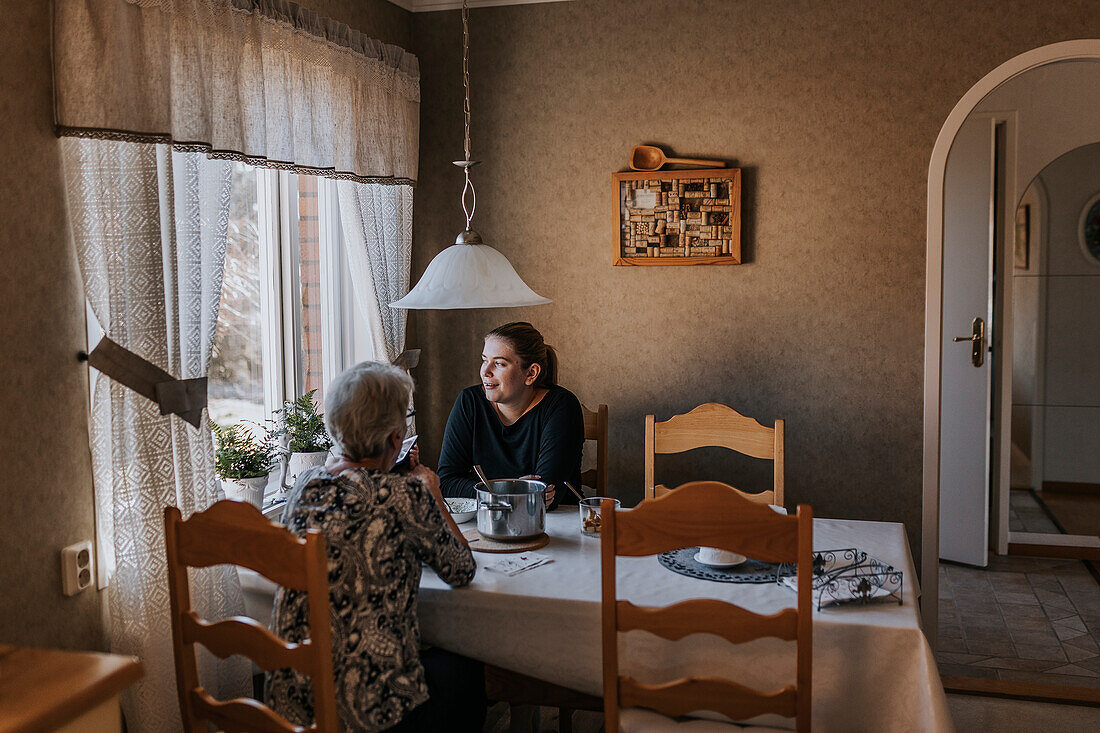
[
  {"x": 409, "y": 462},
  {"x": 427, "y": 475},
  {"x": 550, "y": 493}
]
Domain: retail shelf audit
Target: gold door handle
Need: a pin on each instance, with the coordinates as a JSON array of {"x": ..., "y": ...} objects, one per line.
[{"x": 977, "y": 341}]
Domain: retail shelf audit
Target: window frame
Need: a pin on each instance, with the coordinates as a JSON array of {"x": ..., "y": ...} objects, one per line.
[
  {"x": 272, "y": 292},
  {"x": 344, "y": 332}
]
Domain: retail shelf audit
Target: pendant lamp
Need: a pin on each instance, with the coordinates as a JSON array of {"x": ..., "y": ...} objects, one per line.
[{"x": 469, "y": 273}]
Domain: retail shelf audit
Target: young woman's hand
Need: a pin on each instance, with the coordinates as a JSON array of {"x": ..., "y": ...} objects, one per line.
[{"x": 550, "y": 493}]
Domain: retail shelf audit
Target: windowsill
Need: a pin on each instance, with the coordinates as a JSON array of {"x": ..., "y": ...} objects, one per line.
[
  {"x": 273, "y": 510},
  {"x": 274, "y": 496}
]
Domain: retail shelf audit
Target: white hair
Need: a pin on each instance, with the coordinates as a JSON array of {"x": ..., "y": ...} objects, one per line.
[{"x": 363, "y": 405}]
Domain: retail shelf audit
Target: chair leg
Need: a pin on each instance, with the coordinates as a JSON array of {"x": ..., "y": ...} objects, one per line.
[
  {"x": 524, "y": 719},
  {"x": 565, "y": 720}
]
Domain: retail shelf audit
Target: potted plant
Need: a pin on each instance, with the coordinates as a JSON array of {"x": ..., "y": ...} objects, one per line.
[
  {"x": 243, "y": 462},
  {"x": 305, "y": 442}
]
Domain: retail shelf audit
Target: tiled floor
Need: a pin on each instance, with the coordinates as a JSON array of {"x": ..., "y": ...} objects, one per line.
[
  {"x": 1021, "y": 618},
  {"x": 1024, "y": 619},
  {"x": 1078, "y": 513},
  {"x": 970, "y": 713},
  {"x": 584, "y": 721},
  {"x": 1026, "y": 515}
]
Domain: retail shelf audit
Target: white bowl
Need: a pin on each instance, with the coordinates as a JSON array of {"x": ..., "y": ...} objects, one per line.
[
  {"x": 718, "y": 558},
  {"x": 462, "y": 509}
]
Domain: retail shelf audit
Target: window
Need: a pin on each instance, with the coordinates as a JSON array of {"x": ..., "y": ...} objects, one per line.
[
  {"x": 236, "y": 385},
  {"x": 287, "y": 323}
]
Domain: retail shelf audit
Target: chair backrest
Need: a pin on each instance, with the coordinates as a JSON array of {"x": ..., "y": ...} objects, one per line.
[
  {"x": 595, "y": 428},
  {"x": 715, "y": 425},
  {"x": 706, "y": 513},
  {"x": 235, "y": 533}
]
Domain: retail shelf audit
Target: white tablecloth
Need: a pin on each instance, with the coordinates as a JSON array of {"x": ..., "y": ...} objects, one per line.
[{"x": 873, "y": 669}]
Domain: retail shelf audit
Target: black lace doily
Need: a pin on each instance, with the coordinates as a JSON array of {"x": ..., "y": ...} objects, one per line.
[{"x": 751, "y": 571}]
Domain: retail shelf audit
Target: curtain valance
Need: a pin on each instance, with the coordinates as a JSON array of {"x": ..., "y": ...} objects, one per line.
[{"x": 263, "y": 81}]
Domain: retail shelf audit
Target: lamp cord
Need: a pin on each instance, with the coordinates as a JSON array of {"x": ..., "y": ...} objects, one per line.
[
  {"x": 466, "y": 74},
  {"x": 469, "y": 186}
]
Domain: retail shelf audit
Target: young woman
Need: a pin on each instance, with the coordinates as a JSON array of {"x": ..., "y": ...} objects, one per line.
[
  {"x": 378, "y": 526},
  {"x": 517, "y": 423}
]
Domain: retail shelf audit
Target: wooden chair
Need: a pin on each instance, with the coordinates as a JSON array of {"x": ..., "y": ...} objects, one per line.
[
  {"x": 595, "y": 428},
  {"x": 706, "y": 513},
  {"x": 712, "y": 424},
  {"x": 235, "y": 533},
  {"x": 504, "y": 685}
]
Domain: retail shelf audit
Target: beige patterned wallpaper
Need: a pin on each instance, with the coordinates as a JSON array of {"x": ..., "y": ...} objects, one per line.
[
  {"x": 46, "y": 484},
  {"x": 831, "y": 111},
  {"x": 377, "y": 18}
]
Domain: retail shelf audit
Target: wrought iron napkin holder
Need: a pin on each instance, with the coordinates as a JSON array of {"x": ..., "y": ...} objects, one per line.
[{"x": 849, "y": 576}]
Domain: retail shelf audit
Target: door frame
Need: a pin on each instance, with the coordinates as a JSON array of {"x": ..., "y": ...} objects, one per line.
[
  {"x": 933, "y": 309},
  {"x": 1038, "y": 418}
]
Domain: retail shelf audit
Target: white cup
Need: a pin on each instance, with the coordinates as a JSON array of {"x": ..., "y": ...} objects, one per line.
[{"x": 714, "y": 556}]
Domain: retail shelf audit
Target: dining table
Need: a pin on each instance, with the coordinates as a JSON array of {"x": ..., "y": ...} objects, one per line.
[{"x": 873, "y": 669}]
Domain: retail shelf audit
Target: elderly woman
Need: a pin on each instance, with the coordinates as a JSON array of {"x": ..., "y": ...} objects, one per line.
[{"x": 379, "y": 526}]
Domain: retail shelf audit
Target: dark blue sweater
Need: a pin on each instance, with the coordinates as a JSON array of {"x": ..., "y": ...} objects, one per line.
[{"x": 547, "y": 441}]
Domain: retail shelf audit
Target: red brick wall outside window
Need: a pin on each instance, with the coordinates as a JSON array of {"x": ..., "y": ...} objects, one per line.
[{"x": 309, "y": 259}]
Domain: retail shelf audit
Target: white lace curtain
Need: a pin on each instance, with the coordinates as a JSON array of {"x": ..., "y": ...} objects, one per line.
[
  {"x": 263, "y": 81},
  {"x": 153, "y": 96},
  {"x": 149, "y": 226},
  {"x": 377, "y": 226}
]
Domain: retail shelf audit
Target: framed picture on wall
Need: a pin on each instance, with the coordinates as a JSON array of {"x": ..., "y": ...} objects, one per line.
[
  {"x": 1088, "y": 230},
  {"x": 1023, "y": 232},
  {"x": 678, "y": 217}
]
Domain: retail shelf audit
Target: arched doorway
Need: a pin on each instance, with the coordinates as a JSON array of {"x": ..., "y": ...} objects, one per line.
[{"x": 1088, "y": 49}]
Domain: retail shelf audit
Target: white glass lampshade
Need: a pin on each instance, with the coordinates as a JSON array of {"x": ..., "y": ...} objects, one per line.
[{"x": 469, "y": 276}]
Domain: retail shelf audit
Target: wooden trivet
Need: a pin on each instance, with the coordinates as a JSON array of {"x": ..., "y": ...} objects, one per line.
[{"x": 484, "y": 544}]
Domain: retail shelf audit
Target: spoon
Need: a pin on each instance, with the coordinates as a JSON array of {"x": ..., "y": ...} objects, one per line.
[
  {"x": 569, "y": 486},
  {"x": 650, "y": 158},
  {"x": 481, "y": 475}
]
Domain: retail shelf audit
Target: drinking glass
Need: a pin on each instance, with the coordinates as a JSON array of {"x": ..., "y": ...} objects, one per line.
[{"x": 590, "y": 514}]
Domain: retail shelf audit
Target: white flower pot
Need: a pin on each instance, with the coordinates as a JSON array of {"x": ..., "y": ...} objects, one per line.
[
  {"x": 246, "y": 489},
  {"x": 299, "y": 462}
]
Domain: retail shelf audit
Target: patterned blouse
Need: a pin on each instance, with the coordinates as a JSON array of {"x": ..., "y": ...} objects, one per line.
[{"x": 378, "y": 528}]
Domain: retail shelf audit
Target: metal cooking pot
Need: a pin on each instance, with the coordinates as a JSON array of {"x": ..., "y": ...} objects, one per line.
[{"x": 512, "y": 509}]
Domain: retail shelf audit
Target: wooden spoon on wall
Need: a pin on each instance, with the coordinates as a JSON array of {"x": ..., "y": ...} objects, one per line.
[{"x": 650, "y": 158}]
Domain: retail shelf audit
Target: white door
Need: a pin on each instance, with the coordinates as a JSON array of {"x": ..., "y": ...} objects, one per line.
[{"x": 967, "y": 295}]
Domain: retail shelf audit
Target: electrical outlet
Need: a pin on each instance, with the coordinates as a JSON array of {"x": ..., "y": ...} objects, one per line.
[{"x": 76, "y": 568}]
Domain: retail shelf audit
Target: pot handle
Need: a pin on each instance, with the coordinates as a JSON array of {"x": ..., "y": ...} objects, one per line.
[{"x": 501, "y": 507}]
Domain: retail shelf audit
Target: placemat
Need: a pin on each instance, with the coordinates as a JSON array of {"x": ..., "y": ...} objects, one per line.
[
  {"x": 751, "y": 571},
  {"x": 484, "y": 544}
]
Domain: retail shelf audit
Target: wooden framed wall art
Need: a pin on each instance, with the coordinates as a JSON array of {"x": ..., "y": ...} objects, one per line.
[{"x": 678, "y": 217}]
